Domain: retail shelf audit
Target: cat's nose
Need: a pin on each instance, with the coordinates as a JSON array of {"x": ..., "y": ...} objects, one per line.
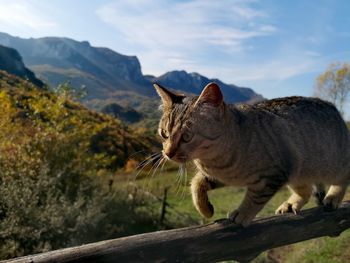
[{"x": 170, "y": 153}]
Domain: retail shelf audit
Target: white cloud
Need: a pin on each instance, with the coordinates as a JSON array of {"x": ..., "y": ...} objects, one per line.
[
  {"x": 311, "y": 53},
  {"x": 219, "y": 39},
  {"x": 22, "y": 14},
  {"x": 275, "y": 70},
  {"x": 268, "y": 28},
  {"x": 162, "y": 30},
  {"x": 155, "y": 24},
  {"x": 263, "y": 71}
]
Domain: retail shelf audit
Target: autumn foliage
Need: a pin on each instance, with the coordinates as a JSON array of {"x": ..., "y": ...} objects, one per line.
[{"x": 51, "y": 149}]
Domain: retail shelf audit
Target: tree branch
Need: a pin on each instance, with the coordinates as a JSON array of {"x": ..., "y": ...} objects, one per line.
[{"x": 217, "y": 241}]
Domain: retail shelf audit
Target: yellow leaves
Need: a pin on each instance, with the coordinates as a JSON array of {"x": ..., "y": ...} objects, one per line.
[
  {"x": 334, "y": 84},
  {"x": 3, "y": 95},
  {"x": 50, "y": 124},
  {"x": 5, "y": 101},
  {"x": 334, "y": 72}
]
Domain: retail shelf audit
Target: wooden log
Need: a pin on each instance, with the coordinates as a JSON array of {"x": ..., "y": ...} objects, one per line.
[{"x": 221, "y": 240}]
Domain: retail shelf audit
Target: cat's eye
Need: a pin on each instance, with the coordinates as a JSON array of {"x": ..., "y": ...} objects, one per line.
[
  {"x": 187, "y": 136},
  {"x": 164, "y": 134}
]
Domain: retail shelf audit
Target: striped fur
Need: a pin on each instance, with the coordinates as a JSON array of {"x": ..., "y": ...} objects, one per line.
[{"x": 302, "y": 142}]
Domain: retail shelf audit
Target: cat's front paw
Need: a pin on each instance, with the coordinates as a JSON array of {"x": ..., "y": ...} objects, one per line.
[
  {"x": 331, "y": 203},
  {"x": 286, "y": 207},
  {"x": 240, "y": 218}
]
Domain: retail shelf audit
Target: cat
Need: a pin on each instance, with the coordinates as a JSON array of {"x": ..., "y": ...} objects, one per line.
[{"x": 299, "y": 141}]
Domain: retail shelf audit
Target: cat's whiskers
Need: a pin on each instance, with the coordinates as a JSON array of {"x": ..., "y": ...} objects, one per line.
[
  {"x": 152, "y": 170},
  {"x": 161, "y": 169},
  {"x": 184, "y": 185},
  {"x": 145, "y": 163},
  {"x": 161, "y": 159},
  {"x": 178, "y": 179},
  {"x": 133, "y": 154},
  {"x": 182, "y": 176}
]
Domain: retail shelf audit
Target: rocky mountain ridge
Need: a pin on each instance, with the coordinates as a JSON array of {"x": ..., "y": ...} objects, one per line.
[
  {"x": 106, "y": 73},
  {"x": 11, "y": 62}
]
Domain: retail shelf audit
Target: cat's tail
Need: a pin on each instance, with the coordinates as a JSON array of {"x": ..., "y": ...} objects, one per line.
[
  {"x": 200, "y": 185},
  {"x": 319, "y": 192}
]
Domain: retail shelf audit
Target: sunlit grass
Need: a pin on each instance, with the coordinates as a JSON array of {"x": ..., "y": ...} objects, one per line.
[{"x": 226, "y": 199}]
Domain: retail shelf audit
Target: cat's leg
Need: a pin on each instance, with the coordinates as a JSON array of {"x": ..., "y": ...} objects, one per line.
[
  {"x": 200, "y": 185},
  {"x": 334, "y": 196},
  {"x": 319, "y": 192},
  {"x": 300, "y": 196},
  {"x": 255, "y": 199}
]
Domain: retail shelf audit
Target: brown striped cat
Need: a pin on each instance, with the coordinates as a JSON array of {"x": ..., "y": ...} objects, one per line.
[{"x": 302, "y": 142}]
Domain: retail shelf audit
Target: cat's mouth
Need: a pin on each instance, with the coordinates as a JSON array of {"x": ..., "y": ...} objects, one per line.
[{"x": 179, "y": 158}]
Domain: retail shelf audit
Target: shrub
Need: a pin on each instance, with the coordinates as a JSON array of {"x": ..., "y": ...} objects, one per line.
[
  {"x": 51, "y": 150},
  {"x": 50, "y": 197}
]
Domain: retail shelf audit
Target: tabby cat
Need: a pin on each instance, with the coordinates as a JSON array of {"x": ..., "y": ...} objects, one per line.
[{"x": 299, "y": 141}]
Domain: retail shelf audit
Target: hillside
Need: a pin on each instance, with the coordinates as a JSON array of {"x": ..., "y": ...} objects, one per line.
[
  {"x": 105, "y": 73},
  {"x": 127, "y": 115},
  {"x": 58, "y": 162},
  {"x": 33, "y": 112},
  {"x": 11, "y": 61}
]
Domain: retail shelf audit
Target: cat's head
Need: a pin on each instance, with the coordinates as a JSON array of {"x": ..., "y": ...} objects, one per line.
[{"x": 190, "y": 126}]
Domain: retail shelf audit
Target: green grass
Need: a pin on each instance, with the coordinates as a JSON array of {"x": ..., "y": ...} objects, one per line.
[
  {"x": 226, "y": 199},
  {"x": 321, "y": 250}
]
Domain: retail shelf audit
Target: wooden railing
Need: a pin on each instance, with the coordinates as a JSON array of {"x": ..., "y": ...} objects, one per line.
[{"x": 218, "y": 241}]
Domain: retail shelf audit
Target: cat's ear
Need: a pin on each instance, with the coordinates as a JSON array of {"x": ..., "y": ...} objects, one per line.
[
  {"x": 211, "y": 95},
  {"x": 168, "y": 97}
]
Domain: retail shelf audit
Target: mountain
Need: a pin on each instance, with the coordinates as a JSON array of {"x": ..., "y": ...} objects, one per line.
[
  {"x": 101, "y": 70},
  {"x": 11, "y": 61},
  {"x": 194, "y": 83},
  {"x": 106, "y": 74},
  {"x": 128, "y": 115}
]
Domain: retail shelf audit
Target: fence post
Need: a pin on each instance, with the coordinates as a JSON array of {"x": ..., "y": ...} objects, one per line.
[{"x": 164, "y": 205}]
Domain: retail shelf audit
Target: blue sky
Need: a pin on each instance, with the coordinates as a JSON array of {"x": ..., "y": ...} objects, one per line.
[{"x": 276, "y": 47}]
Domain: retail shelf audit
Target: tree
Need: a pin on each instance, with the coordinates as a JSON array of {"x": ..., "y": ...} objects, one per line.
[
  {"x": 334, "y": 85},
  {"x": 66, "y": 90}
]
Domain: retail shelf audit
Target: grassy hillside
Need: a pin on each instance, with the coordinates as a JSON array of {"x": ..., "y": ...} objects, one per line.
[
  {"x": 43, "y": 112},
  {"x": 57, "y": 161}
]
